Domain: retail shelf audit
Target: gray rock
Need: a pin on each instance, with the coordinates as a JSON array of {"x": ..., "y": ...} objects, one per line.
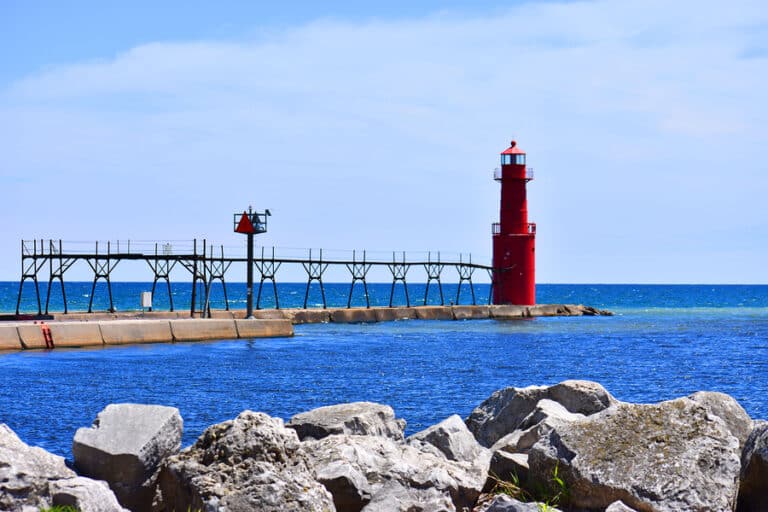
[
  {"x": 393, "y": 497},
  {"x": 85, "y": 495},
  {"x": 454, "y": 440},
  {"x": 125, "y": 447},
  {"x": 349, "y": 487},
  {"x": 753, "y": 491},
  {"x": 619, "y": 506},
  {"x": 385, "y": 463},
  {"x": 504, "y": 503},
  {"x": 670, "y": 456},
  {"x": 508, "y": 467},
  {"x": 357, "y": 418},
  {"x": 729, "y": 410},
  {"x": 546, "y": 415},
  {"x": 581, "y": 396},
  {"x": 250, "y": 463},
  {"x": 32, "y": 478},
  {"x": 506, "y": 409}
]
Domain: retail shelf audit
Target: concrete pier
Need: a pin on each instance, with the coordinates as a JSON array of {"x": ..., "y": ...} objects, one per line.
[
  {"x": 100, "y": 332},
  {"x": 96, "y": 329}
]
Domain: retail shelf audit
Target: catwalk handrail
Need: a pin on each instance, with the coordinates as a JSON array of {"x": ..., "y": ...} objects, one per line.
[
  {"x": 121, "y": 249},
  {"x": 207, "y": 262}
]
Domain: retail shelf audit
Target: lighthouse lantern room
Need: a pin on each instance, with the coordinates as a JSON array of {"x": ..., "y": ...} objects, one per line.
[{"x": 514, "y": 238}]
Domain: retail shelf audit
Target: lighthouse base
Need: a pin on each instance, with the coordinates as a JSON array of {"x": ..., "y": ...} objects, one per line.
[{"x": 514, "y": 272}]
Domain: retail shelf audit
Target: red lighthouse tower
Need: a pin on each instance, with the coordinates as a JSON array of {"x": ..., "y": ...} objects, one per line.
[{"x": 514, "y": 238}]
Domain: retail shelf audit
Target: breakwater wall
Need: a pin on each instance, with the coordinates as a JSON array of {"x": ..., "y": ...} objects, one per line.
[
  {"x": 95, "y": 329},
  {"x": 92, "y": 333}
]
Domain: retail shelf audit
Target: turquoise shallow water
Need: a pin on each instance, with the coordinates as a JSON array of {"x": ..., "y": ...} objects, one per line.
[{"x": 664, "y": 342}]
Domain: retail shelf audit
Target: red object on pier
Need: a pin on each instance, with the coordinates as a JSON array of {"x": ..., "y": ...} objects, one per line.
[
  {"x": 514, "y": 238},
  {"x": 245, "y": 225}
]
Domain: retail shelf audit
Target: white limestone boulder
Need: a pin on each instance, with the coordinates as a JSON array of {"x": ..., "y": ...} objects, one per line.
[
  {"x": 32, "y": 478},
  {"x": 250, "y": 463},
  {"x": 125, "y": 446},
  {"x": 753, "y": 491},
  {"x": 505, "y": 410},
  {"x": 665, "y": 457},
  {"x": 356, "y": 418},
  {"x": 378, "y": 463}
]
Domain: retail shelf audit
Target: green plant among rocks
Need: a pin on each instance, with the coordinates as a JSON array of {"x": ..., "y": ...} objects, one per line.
[
  {"x": 548, "y": 496},
  {"x": 60, "y": 508}
]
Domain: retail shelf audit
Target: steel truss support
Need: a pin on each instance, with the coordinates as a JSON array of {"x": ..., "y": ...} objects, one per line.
[
  {"x": 399, "y": 270},
  {"x": 465, "y": 274},
  {"x": 57, "y": 272},
  {"x": 161, "y": 268},
  {"x": 215, "y": 268},
  {"x": 29, "y": 270},
  {"x": 359, "y": 271},
  {"x": 198, "y": 271},
  {"x": 267, "y": 268},
  {"x": 315, "y": 271},
  {"x": 101, "y": 270},
  {"x": 434, "y": 269}
]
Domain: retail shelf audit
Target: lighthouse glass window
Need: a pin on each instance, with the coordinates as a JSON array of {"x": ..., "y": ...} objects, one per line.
[{"x": 517, "y": 159}]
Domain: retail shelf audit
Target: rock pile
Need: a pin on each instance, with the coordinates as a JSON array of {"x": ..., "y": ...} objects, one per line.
[
  {"x": 31, "y": 479},
  {"x": 567, "y": 447}
]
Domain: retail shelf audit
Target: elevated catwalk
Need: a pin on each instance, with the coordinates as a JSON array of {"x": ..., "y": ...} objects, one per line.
[{"x": 207, "y": 263}]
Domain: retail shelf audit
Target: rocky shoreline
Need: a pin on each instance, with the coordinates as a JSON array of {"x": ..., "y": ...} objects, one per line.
[{"x": 571, "y": 447}]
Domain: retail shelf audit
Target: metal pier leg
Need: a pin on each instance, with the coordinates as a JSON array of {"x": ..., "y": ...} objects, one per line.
[
  {"x": 434, "y": 269},
  {"x": 315, "y": 270},
  {"x": 48, "y": 295},
  {"x": 21, "y": 287},
  {"x": 194, "y": 280},
  {"x": 90, "y": 301},
  {"x": 274, "y": 288},
  {"x": 268, "y": 269},
  {"x": 367, "y": 302},
  {"x": 359, "y": 271},
  {"x": 465, "y": 274},
  {"x": 258, "y": 297},
  {"x": 322, "y": 292},
  {"x": 63, "y": 296},
  {"x": 30, "y": 271},
  {"x": 207, "y": 303},
  {"x": 37, "y": 291},
  {"x": 399, "y": 271},
  {"x": 170, "y": 294},
  {"x": 349, "y": 300},
  {"x": 109, "y": 290},
  {"x": 306, "y": 295},
  {"x": 226, "y": 300}
]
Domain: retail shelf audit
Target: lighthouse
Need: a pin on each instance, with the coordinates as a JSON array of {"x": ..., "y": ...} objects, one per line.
[{"x": 514, "y": 238}]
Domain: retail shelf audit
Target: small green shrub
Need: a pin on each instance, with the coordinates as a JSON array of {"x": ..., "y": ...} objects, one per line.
[
  {"x": 548, "y": 495},
  {"x": 60, "y": 508}
]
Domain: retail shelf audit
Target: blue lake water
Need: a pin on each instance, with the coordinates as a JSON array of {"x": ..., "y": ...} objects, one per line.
[{"x": 665, "y": 341}]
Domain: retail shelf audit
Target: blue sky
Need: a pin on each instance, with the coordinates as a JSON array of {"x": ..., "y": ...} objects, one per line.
[{"x": 378, "y": 127}]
